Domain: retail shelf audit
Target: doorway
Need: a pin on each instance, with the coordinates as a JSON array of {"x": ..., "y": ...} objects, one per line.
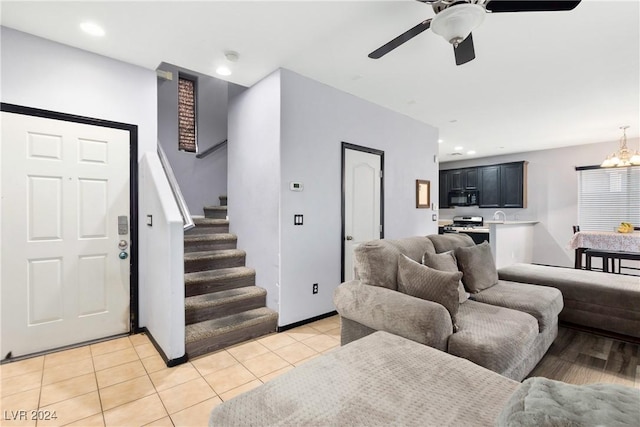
[
  {"x": 362, "y": 201},
  {"x": 68, "y": 230}
]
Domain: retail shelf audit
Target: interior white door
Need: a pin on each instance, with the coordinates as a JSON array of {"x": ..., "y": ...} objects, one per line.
[
  {"x": 363, "y": 180},
  {"x": 64, "y": 185}
]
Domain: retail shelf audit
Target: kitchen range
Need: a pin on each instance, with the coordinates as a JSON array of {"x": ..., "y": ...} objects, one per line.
[{"x": 473, "y": 226}]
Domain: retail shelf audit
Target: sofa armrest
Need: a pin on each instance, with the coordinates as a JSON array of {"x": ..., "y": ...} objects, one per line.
[{"x": 391, "y": 311}]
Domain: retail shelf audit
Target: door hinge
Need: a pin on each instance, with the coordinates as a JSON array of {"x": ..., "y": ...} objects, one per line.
[
  {"x": 381, "y": 228},
  {"x": 381, "y": 174}
]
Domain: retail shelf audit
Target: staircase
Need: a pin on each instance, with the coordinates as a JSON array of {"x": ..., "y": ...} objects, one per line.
[{"x": 222, "y": 304}]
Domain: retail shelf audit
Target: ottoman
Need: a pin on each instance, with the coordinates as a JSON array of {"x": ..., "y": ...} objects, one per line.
[{"x": 381, "y": 379}]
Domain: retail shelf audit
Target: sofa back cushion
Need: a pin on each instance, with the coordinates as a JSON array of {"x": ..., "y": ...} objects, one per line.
[
  {"x": 430, "y": 284},
  {"x": 478, "y": 266},
  {"x": 376, "y": 262},
  {"x": 446, "y": 261},
  {"x": 450, "y": 241}
]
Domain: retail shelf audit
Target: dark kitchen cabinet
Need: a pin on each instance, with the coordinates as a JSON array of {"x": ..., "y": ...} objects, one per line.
[
  {"x": 463, "y": 179},
  {"x": 503, "y": 186},
  {"x": 512, "y": 185},
  {"x": 489, "y": 187},
  {"x": 472, "y": 179},
  {"x": 443, "y": 189},
  {"x": 455, "y": 178},
  {"x": 499, "y": 186}
]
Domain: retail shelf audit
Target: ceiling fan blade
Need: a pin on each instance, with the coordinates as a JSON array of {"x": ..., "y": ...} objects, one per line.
[
  {"x": 402, "y": 38},
  {"x": 465, "y": 51},
  {"x": 496, "y": 6}
]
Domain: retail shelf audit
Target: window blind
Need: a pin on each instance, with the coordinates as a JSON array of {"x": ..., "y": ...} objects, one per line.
[{"x": 607, "y": 197}]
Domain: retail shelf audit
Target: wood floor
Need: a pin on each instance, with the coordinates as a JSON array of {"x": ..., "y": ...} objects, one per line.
[{"x": 579, "y": 357}]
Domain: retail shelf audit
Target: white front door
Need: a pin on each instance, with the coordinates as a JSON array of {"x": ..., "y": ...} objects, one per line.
[
  {"x": 362, "y": 201},
  {"x": 64, "y": 186}
]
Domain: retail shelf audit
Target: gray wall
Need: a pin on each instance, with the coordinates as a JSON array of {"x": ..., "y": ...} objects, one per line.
[
  {"x": 303, "y": 124},
  {"x": 43, "y": 74},
  {"x": 201, "y": 180},
  {"x": 552, "y": 195},
  {"x": 254, "y": 180}
]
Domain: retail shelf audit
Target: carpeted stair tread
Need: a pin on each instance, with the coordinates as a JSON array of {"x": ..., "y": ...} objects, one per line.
[
  {"x": 208, "y": 226},
  {"x": 203, "y": 222},
  {"x": 225, "y": 325},
  {"x": 224, "y": 303},
  {"x": 213, "y": 259},
  {"x": 216, "y": 254},
  {"x": 208, "y": 242},
  {"x": 223, "y": 297},
  {"x": 201, "y": 282},
  {"x": 210, "y": 237},
  {"x": 215, "y": 212},
  {"x": 219, "y": 274}
]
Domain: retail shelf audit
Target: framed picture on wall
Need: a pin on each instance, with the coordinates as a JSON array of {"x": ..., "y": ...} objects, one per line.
[{"x": 423, "y": 194}]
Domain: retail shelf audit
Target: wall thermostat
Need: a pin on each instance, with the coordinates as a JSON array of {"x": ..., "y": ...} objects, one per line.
[{"x": 296, "y": 186}]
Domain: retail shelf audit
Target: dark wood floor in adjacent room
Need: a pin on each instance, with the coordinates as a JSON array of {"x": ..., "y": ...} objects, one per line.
[{"x": 579, "y": 357}]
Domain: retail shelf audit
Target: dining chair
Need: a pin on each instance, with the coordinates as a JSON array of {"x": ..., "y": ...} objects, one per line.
[{"x": 579, "y": 251}]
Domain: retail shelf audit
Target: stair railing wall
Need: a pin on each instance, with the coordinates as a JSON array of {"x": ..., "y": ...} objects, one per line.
[
  {"x": 161, "y": 290},
  {"x": 175, "y": 189}
]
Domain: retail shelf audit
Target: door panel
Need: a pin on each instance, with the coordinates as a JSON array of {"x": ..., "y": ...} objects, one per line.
[
  {"x": 64, "y": 184},
  {"x": 362, "y": 220}
]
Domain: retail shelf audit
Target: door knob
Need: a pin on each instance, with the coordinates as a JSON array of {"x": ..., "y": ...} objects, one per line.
[{"x": 349, "y": 238}]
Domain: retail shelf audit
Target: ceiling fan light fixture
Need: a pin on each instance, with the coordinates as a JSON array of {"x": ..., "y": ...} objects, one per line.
[{"x": 455, "y": 23}]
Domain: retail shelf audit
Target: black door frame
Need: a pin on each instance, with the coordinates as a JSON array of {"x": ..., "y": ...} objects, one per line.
[
  {"x": 133, "y": 189},
  {"x": 347, "y": 146}
]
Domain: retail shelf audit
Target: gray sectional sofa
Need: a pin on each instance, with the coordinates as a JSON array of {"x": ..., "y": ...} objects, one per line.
[
  {"x": 609, "y": 302},
  {"x": 504, "y": 326}
]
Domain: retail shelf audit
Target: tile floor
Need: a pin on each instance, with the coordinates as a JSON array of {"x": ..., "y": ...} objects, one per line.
[{"x": 124, "y": 382}]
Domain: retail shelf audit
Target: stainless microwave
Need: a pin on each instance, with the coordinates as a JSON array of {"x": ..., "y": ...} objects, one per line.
[{"x": 463, "y": 198}]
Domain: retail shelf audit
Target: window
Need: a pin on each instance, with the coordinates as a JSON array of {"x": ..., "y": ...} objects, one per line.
[
  {"x": 608, "y": 196},
  {"x": 187, "y": 136}
]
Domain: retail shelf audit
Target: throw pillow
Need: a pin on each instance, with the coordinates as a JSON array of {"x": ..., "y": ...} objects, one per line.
[
  {"x": 478, "y": 267},
  {"x": 446, "y": 261},
  {"x": 427, "y": 283}
]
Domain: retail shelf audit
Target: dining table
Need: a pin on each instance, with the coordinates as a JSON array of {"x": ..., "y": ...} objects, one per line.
[{"x": 606, "y": 241}]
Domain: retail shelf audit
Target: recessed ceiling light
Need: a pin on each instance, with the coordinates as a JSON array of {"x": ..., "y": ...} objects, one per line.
[
  {"x": 92, "y": 28},
  {"x": 223, "y": 70},
  {"x": 458, "y": 148},
  {"x": 471, "y": 152},
  {"x": 440, "y": 141},
  {"x": 232, "y": 56}
]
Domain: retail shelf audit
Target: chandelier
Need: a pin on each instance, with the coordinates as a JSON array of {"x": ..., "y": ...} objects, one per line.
[{"x": 624, "y": 156}]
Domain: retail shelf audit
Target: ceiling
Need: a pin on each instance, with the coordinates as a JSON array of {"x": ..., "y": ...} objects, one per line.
[{"x": 539, "y": 80}]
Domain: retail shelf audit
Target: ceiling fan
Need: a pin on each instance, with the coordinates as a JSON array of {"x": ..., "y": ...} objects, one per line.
[{"x": 455, "y": 19}]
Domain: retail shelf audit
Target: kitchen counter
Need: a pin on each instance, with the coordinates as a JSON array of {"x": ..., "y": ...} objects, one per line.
[
  {"x": 510, "y": 222},
  {"x": 511, "y": 241},
  {"x": 476, "y": 230}
]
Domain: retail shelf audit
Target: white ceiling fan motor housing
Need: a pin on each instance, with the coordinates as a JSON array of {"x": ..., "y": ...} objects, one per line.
[{"x": 455, "y": 23}]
